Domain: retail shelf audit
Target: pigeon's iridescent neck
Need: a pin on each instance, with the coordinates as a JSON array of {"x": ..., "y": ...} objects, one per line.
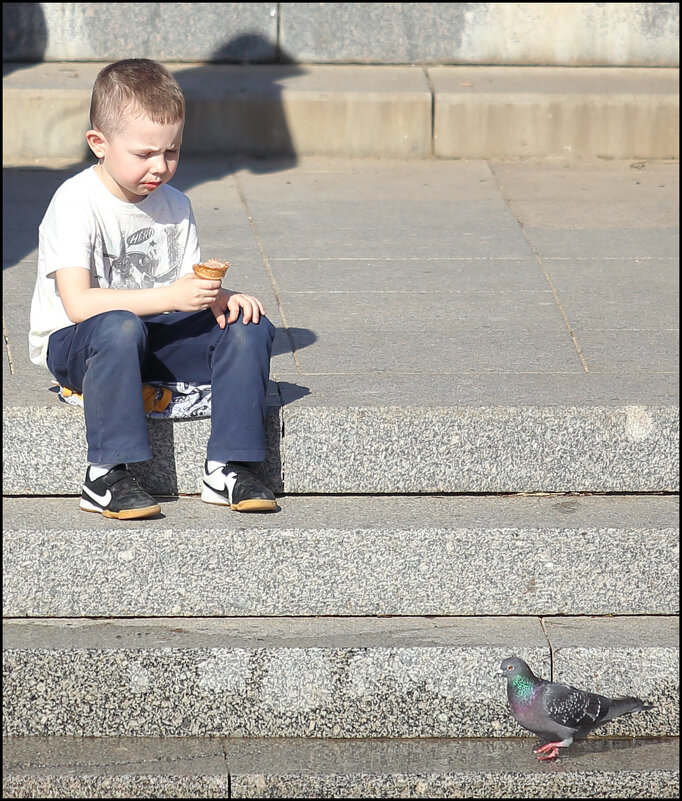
[{"x": 522, "y": 687}]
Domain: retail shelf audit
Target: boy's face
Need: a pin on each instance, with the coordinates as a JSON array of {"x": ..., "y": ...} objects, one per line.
[{"x": 138, "y": 159}]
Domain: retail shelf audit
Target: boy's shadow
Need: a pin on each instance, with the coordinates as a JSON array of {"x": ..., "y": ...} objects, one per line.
[
  {"x": 24, "y": 35},
  {"x": 233, "y": 114}
]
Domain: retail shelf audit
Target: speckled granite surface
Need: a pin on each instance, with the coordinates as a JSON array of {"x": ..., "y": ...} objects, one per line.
[
  {"x": 393, "y": 449},
  {"x": 313, "y": 677},
  {"x": 317, "y": 677},
  {"x": 346, "y": 556}
]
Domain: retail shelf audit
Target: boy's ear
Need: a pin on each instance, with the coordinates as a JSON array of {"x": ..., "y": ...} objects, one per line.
[{"x": 96, "y": 142}]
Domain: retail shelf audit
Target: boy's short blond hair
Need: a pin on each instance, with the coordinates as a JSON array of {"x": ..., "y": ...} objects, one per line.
[{"x": 133, "y": 87}]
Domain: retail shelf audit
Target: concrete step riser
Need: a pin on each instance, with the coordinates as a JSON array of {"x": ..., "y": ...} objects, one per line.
[
  {"x": 348, "y": 678},
  {"x": 242, "y": 768},
  {"x": 204, "y": 561},
  {"x": 359, "y": 111},
  {"x": 380, "y": 450}
]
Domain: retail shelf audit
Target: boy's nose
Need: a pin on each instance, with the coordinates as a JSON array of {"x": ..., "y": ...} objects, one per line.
[{"x": 158, "y": 165}]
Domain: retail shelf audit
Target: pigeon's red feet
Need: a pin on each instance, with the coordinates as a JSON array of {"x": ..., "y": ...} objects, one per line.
[{"x": 547, "y": 751}]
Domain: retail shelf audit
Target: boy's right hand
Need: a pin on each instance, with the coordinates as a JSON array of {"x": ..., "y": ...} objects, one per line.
[{"x": 193, "y": 294}]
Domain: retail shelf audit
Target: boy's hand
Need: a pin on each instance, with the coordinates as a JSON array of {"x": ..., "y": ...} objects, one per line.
[
  {"x": 193, "y": 294},
  {"x": 234, "y": 302}
]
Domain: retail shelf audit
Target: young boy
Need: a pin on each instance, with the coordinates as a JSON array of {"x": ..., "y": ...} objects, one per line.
[{"x": 116, "y": 303}]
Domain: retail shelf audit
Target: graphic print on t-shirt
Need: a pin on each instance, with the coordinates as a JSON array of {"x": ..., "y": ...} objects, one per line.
[{"x": 137, "y": 264}]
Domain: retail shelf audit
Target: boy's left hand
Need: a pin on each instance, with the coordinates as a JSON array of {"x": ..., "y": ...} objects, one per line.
[{"x": 234, "y": 302}]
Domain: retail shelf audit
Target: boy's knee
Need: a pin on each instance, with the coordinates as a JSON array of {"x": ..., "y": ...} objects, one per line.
[
  {"x": 121, "y": 329},
  {"x": 254, "y": 335}
]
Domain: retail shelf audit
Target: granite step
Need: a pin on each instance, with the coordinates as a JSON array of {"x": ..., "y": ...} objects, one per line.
[
  {"x": 347, "y": 555},
  {"x": 318, "y": 447},
  {"x": 370, "y": 111},
  {"x": 63, "y": 767},
  {"x": 320, "y": 677}
]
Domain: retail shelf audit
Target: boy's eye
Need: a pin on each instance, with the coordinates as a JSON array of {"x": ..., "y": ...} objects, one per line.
[{"x": 170, "y": 151}]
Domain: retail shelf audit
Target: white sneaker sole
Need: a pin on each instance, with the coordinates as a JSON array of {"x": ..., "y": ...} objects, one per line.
[
  {"x": 209, "y": 495},
  {"x": 124, "y": 514}
]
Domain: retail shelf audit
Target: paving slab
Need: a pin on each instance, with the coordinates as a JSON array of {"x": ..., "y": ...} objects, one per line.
[
  {"x": 122, "y": 767},
  {"x": 299, "y": 768},
  {"x": 491, "y": 325},
  {"x": 346, "y": 556},
  {"x": 451, "y": 769},
  {"x": 578, "y": 659}
]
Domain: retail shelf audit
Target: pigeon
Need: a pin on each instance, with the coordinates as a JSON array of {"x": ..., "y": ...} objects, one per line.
[{"x": 558, "y": 713}]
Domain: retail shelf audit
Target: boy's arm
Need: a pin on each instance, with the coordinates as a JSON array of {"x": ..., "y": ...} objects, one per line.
[{"x": 81, "y": 301}]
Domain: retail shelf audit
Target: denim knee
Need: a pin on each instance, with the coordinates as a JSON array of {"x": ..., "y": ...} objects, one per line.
[
  {"x": 121, "y": 331},
  {"x": 254, "y": 336}
]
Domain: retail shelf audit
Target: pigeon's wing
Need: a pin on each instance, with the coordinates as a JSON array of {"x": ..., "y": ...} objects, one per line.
[{"x": 573, "y": 708}]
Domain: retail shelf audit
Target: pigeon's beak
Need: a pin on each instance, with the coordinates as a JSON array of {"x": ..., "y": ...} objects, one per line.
[{"x": 499, "y": 673}]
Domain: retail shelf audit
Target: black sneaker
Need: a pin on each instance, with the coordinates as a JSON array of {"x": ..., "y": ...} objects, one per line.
[
  {"x": 117, "y": 494},
  {"x": 236, "y": 486}
]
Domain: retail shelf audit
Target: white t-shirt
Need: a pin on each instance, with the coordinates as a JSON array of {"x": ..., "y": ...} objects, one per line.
[{"x": 123, "y": 245}]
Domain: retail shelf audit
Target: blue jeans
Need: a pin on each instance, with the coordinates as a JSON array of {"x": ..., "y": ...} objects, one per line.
[{"x": 108, "y": 357}]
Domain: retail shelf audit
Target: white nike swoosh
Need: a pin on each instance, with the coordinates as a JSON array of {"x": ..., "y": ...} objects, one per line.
[
  {"x": 220, "y": 482},
  {"x": 102, "y": 500},
  {"x": 230, "y": 481}
]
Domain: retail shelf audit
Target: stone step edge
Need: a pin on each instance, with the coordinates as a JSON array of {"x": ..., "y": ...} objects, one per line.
[
  {"x": 62, "y": 767},
  {"x": 605, "y": 449},
  {"x": 346, "y": 556},
  {"x": 371, "y": 677},
  {"x": 427, "y": 116},
  {"x": 548, "y": 633}
]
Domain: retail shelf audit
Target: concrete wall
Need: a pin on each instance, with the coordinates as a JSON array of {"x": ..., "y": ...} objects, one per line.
[{"x": 573, "y": 34}]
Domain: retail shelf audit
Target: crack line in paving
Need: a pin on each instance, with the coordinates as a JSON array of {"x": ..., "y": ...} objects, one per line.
[
  {"x": 268, "y": 267},
  {"x": 538, "y": 259},
  {"x": 576, "y": 344}
]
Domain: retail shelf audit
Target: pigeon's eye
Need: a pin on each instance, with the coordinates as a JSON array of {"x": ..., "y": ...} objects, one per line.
[{"x": 510, "y": 667}]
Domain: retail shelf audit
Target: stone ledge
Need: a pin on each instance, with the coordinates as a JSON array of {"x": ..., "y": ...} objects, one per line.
[
  {"x": 346, "y": 556},
  {"x": 370, "y": 111},
  {"x": 393, "y": 33},
  {"x": 312, "y": 677},
  {"x": 380, "y": 449},
  {"x": 495, "y": 112},
  {"x": 480, "y": 449}
]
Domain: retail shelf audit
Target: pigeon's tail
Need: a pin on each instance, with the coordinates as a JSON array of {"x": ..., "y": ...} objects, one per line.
[{"x": 625, "y": 706}]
